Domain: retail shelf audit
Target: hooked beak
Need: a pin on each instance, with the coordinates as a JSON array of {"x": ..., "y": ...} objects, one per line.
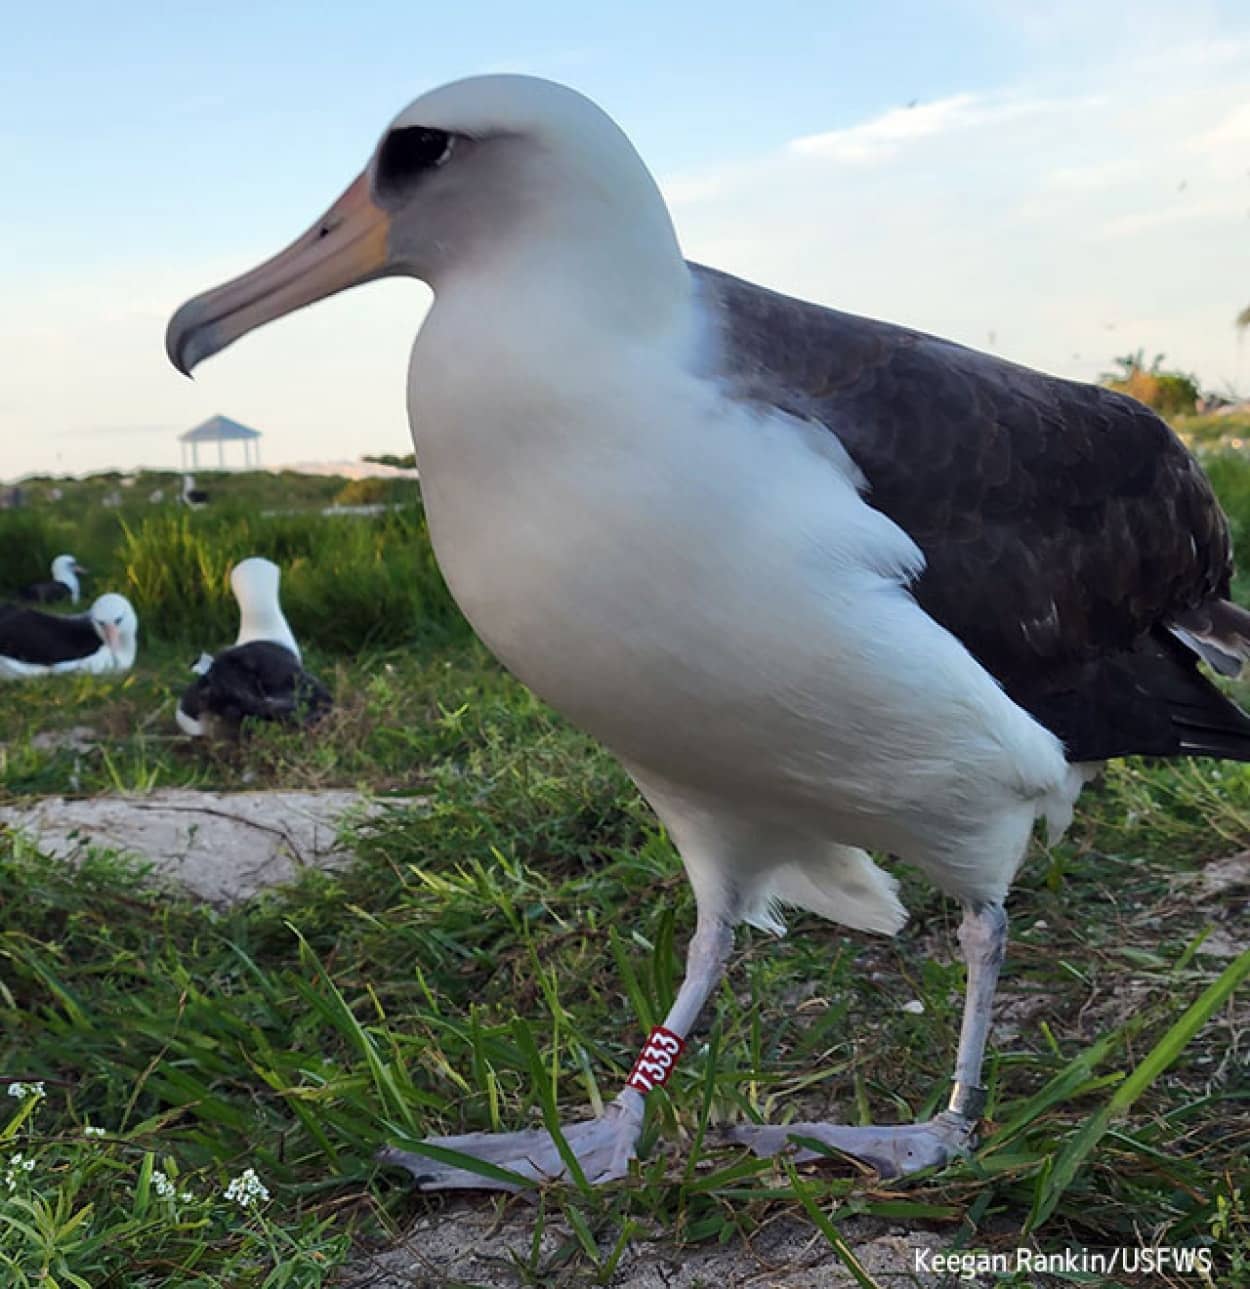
[
  {"x": 346, "y": 246},
  {"x": 78, "y": 568},
  {"x": 111, "y": 634}
]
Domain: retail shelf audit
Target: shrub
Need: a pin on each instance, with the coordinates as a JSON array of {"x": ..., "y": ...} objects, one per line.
[
  {"x": 1169, "y": 393},
  {"x": 365, "y": 492}
]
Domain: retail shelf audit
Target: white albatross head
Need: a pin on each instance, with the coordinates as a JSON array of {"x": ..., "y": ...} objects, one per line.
[
  {"x": 117, "y": 624},
  {"x": 518, "y": 179},
  {"x": 65, "y": 569},
  {"x": 255, "y": 585}
]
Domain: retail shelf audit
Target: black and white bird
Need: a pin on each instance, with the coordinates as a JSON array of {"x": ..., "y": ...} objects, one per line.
[
  {"x": 190, "y": 495},
  {"x": 100, "y": 642},
  {"x": 825, "y": 585},
  {"x": 261, "y": 675},
  {"x": 66, "y": 571}
]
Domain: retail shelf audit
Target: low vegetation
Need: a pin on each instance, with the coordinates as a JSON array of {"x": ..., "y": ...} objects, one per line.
[
  {"x": 511, "y": 924},
  {"x": 1170, "y": 393}
]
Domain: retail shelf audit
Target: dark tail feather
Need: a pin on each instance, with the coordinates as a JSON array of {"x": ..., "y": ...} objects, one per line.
[{"x": 1216, "y": 728}]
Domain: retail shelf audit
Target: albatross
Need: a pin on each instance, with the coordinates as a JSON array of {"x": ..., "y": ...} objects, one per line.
[
  {"x": 192, "y": 497},
  {"x": 823, "y": 584},
  {"x": 63, "y": 586},
  {"x": 261, "y": 675},
  {"x": 100, "y": 642}
]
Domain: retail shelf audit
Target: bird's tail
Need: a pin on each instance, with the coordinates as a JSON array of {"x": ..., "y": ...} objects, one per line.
[
  {"x": 1210, "y": 723},
  {"x": 1218, "y": 632}
]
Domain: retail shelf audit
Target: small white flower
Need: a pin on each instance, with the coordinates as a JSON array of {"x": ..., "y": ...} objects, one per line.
[
  {"x": 186, "y": 1197},
  {"x": 914, "y": 1008},
  {"x": 90, "y": 1130},
  {"x": 161, "y": 1184},
  {"x": 18, "y": 1164},
  {"x": 24, "y": 1090},
  {"x": 246, "y": 1189}
]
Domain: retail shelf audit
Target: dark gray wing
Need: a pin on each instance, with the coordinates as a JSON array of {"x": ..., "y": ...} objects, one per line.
[
  {"x": 31, "y": 636},
  {"x": 1064, "y": 526},
  {"x": 261, "y": 680}
]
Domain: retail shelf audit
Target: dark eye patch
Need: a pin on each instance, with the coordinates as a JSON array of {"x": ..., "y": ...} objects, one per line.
[{"x": 408, "y": 152}]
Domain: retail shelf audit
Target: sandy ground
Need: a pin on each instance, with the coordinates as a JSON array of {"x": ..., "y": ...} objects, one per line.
[
  {"x": 221, "y": 846},
  {"x": 467, "y": 1244}
]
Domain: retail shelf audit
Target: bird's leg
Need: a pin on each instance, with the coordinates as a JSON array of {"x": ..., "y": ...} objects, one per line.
[
  {"x": 983, "y": 938},
  {"x": 906, "y": 1148},
  {"x": 603, "y": 1146}
]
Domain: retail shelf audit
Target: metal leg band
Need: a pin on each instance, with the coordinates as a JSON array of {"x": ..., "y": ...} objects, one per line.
[{"x": 967, "y": 1101}]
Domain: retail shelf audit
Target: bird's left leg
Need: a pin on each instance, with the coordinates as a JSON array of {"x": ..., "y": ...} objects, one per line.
[
  {"x": 907, "y": 1148},
  {"x": 603, "y": 1146}
]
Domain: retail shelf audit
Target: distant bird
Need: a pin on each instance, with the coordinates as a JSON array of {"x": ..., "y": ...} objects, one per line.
[
  {"x": 101, "y": 641},
  {"x": 824, "y": 584},
  {"x": 156, "y": 496},
  {"x": 63, "y": 586},
  {"x": 261, "y": 675},
  {"x": 111, "y": 500},
  {"x": 191, "y": 495}
]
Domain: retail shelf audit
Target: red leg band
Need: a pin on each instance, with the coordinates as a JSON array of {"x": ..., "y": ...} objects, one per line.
[{"x": 656, "y": 1061}]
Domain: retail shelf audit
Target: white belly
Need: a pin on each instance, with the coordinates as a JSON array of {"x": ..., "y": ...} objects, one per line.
[
  {"x": 100, "y": 663},
  {"x": 706, "y": 592}
]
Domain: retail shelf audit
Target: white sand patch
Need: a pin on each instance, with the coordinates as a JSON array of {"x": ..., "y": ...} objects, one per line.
[{"x": 222, "y": 846}]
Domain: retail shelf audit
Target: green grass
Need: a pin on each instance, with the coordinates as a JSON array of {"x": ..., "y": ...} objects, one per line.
[
  {"x": 1209, "y": 431},
  {"x": 503, "y": 944},
  {"x": 349, "y": 583}
]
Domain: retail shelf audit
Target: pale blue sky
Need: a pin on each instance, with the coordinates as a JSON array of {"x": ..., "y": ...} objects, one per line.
[{"x": 1065, "y": 188}]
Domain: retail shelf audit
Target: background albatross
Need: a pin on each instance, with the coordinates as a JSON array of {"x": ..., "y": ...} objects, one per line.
[
  {"x": 261, "y": 675},
  {"x": 100, "y": 642},
  {"x": 63, "y": 586},
  {"x": 822, "y": 583}
]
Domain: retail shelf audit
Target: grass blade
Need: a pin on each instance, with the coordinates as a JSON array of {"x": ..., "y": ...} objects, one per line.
[{"x": 1164, "y": 1052}]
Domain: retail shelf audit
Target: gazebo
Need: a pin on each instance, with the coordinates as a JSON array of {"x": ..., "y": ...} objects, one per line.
[{"x": 220, "y": 430}]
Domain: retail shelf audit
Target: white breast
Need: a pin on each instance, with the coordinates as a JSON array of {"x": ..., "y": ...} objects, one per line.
[{"x": 702, "y": 587}]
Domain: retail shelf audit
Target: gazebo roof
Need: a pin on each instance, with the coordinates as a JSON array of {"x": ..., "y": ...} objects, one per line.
[{"x": 218, "y": 429}]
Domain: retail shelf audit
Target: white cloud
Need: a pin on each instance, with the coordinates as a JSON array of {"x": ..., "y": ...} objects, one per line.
[
  {"x": 1193, "y": 212},
  {"x": 1228, "y": 139},
  {"x": 881, "y": 137},
  {"x": 688, "y": 190},
  {"x": 1094, "y": 177}
]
